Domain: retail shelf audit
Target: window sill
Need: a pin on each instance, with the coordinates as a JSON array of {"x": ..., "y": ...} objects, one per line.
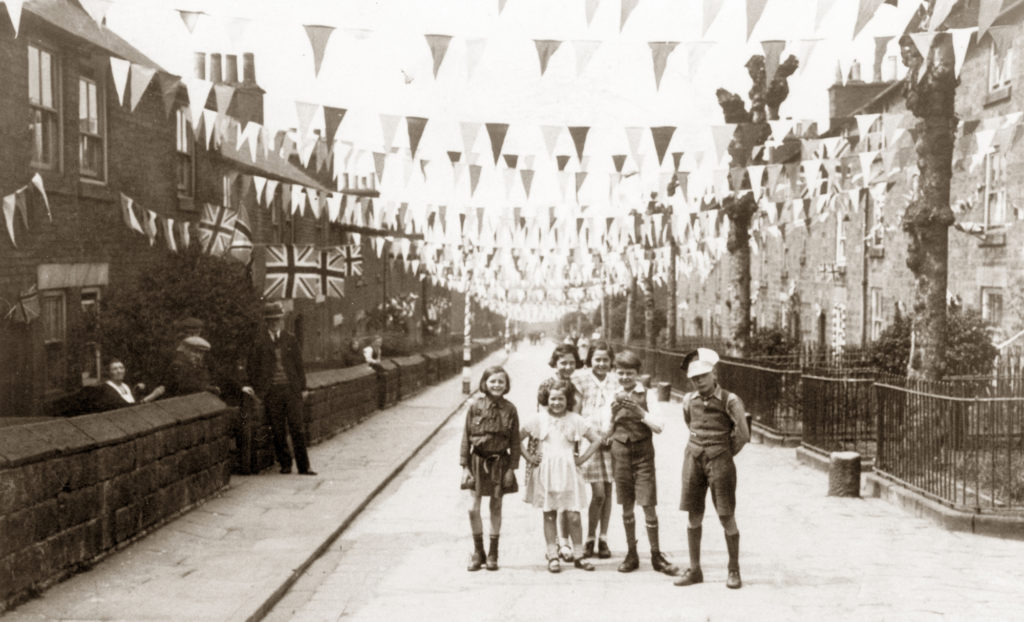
[
  {"x": 992, "y": 239},
  {"x": 94, "y": 189},
  {"x": 998, "y": 96},
  {"x": 186, "y": 204}
]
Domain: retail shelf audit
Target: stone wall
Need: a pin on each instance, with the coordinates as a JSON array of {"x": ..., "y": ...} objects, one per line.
[{"x": 72, "y": 490}]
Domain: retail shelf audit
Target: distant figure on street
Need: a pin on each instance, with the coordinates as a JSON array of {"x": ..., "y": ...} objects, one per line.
[
  {"x": 277, "y": 378},
  {"x": 188, "y": 372},
  {"x": 115, "y": 392},
  {"x": 558, "y": 485},
  {"x": 718, "y": 431},
  {"x": 489, "y": 456},
  {"x": 353, "y": 355},
  {"x": 632, "y": 448},
  {"x": 372, "y": 352}
]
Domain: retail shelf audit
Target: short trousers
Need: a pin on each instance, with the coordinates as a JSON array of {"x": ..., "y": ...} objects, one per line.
[
  {"x": 700, "y": 472},
  {"x": 633, "y": 471}
]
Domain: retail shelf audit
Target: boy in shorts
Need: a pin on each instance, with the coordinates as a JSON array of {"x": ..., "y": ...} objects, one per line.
[
  {"x": 718, "y": 430},
  {"x": 633, "y": 462}
]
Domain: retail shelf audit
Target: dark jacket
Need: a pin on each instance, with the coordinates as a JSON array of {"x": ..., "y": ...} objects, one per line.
[{"x": 261, "y": 363}]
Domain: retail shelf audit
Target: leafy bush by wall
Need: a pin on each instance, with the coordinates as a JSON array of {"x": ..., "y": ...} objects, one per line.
[
  {"x": 969, "y": 350},
  {"x": 771, "y": 342}
]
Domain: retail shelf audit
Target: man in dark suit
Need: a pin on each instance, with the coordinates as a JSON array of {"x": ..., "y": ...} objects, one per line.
[{"x": 277, "y": 378}]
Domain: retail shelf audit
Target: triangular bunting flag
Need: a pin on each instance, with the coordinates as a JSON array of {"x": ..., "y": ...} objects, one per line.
[
  {"x": 510, "y": 160},
  {"x": 865, "y": 11},
  {"x": 9, "y": 207},
  {"x": 988, "y": 11},
  {"x": 223, "y": 93},
  {"x": 618, "y": 161},
  {"x": 469, "y": 132},
  {"x": 545, "y": 49},
  {"x": 660, "y": 51},
  {"x": 579, "y": 138},
  {"x": 590, "y": 7},
  {"x": 550, "y": 134},
  {"x": 415, "y": 125},
  {"x": 119, "y": 69},
  {"x": 584, "y": 51},
  {"x": 772, "y": 54},
  {"x": 438, "y": 48},
  {"x": 318, "y": 38},
  {"x": 141, "y": 76},
  {"x": 755, "y": 8},
  {"x": 474, "y": 177},
  {"x": 662, "y": 136},
  {"x": 496, "y": 132},
  {"x": 198, "y": 92},
  {"x": 961, "y": 38},
  {"x": 37, "y": 181},
  {"x": 527, "y": 178},
  {"x": 626, "y": 10},
  {"x": 389, "y": 125},
  {"x": 822, "y": 9},
  {"x": 940, "y": 12},
  {"x": 190, "y": 18},
  {"x": 562, "y": 160},
  {"x": 332, "y": 120},
  {"x": 923, "y": 43},
  {"x": 710, "y": 12}
]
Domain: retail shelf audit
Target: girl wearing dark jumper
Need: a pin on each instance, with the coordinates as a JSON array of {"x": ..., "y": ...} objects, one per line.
[{"x": 489, "y": 457}]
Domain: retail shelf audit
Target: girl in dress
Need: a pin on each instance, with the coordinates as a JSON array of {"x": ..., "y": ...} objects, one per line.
[
  {"x": 558, "y": 484},
  {"x": 597, "y": 391},
  {"x": 489, "y": 457}
]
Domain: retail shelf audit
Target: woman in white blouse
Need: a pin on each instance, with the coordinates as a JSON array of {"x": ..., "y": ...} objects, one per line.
[{"x": 115, "y": 392}]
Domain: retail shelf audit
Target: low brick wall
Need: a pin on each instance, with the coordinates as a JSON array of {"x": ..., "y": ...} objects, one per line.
[
  {"x": 71, "y": 490},
  {"x": 338, "y": 399},
  {"x": 412, "y": 374},
  {"x": 387, "y": 383}
]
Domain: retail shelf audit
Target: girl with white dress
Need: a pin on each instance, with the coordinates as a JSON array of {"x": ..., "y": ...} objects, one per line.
[{"x": 558, "y": 484}]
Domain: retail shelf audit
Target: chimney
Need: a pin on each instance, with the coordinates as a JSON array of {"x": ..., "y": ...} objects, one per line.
[
  {"x": 215, "y": 72},
  {"x": 199, "y": 67},
  {"x": 231, "y": 68},
  {"x": 249, "y": 68}
]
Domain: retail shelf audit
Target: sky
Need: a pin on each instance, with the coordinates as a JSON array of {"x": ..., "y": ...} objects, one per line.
[{"x": 386, "y": 67}]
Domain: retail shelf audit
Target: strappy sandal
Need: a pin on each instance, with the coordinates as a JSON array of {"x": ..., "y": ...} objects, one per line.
[
  {"x": 554, "y": 565},
  {"x": 582, "y": 564},
  {"x": 565, "y": 553}
]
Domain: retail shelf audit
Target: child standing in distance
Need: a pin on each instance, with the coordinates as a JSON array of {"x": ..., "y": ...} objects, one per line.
[
  {"x": 489, "y": 457},
  {"x": 718, "y": 430},
  {"x": 565, "y": 360},
  {"x": 632, "y": 451},
  {"x": 558, "y": 484},
  {"x": 597, "y": 391}
]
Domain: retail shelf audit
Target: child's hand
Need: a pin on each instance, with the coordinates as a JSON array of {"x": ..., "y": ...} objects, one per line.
[
  {"x": 579, "y": 461},
  {"x": 467, "y": 478},
  {"x": 534, "y": 459},
  {"x": 509, "y": 479}
]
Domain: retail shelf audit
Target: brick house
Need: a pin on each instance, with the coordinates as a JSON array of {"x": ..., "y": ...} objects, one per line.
[
  {"x": 851, "y": 263},
  {"x": 59, "y": 63}
]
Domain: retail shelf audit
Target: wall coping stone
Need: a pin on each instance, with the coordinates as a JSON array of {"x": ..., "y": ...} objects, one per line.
[
  {"x": 409, "y": 361},
  {"x": 388, "y": 365},
  {"x": 36, "y": 442},
  {"x": 328, "y": 377}
]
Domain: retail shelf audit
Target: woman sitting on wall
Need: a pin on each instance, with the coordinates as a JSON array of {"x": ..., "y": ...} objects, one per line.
[{"x": 115, "y": 392}]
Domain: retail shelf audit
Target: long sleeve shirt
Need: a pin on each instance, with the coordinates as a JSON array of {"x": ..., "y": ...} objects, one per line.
[
  {"x": 717, "y": 421},
  {"x": 492, "y": 426}
]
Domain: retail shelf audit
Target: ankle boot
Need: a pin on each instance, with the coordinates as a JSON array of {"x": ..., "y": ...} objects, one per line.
[
  {"x": 732, "y": 543},
  {"x": 476, "y": 561},
  {"x": 588, "y": 548},
  {"x": 492, "y": 554},
  {"x": 632, "y": 561},
  {"x": 658, "y": 560},
  {"x": 693, "y": 574},
  {"x": 603, "y": 552}
]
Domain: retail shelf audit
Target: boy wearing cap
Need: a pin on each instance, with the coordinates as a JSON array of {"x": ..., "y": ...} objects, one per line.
[
  {"x": 278, "y": 379},
  {"x": 632, "y": 451},
  {"x": 718, "y": 430}
]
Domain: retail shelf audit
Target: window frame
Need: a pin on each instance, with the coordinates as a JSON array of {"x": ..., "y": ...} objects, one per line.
[
  {"x": 184, "y": 137},
  {"x": 877, "y": 313},
  {"x": 55, "y": 110},
  {"x": 54, "y": 346},
  {"x": 100, "y": 136},
  {"x": 994, "y": 188},
  {"x": 840, "y": 255},
  {"x": 1000, "y": 69},
  {"x": 91, "y": 298},
  {"x": 986, "y": 308}
]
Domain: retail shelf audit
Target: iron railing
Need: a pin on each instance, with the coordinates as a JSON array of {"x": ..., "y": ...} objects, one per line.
[
  {"x": 772, "y": 395},
  {"x": 966, "y": 452},
  {"x": 837, "y": 411}
]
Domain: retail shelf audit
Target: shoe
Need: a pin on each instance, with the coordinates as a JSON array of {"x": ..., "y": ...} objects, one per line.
[
  {"x": 691, "y": 576},
  {"x": 565, "y": 553},
  {"x": 661, "y": 564},
  {"x": 631, "y": 563},
  {"x": 582, "y": 565},
  {"x": 734, "y": 582},
  {"x": 286, "y": 469},
  {"x": 554, "y": 565},
  {"x": 588, "y": 549},
  {"x": 476, "y": 561},
  {"x": 603, "y": 552},
  {"x": 309, "y": 472}
]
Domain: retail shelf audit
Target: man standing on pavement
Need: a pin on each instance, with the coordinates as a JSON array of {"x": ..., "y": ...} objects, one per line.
[
  {"x": 718, "y": 430},
  {"x": 278, "y": 379}
]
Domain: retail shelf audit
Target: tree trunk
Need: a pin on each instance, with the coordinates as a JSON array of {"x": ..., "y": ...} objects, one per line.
[
  {"x": 650, "y": 339},
  {"x": 752, "y": 130},
  {"x": 670, "y": 316},
  {"x": 627, "y": 329},
  {"x": 928, "y": 216}
]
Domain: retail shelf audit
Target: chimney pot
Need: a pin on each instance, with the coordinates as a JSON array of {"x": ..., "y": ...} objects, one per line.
[
  {"x": 231, "y": 68},
  {"x": 249, "y": 68},
  {"x": 199, "y": 67},
  {"x": 215, "y": 69}
]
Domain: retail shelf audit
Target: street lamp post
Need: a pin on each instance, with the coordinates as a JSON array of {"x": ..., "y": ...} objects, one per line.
[{"x": 467, "y": 323}]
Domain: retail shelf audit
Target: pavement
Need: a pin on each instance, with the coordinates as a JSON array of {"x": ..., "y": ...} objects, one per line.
[
  {"x": 233, "y": 556},
  {"x": 401, "y": 555}
]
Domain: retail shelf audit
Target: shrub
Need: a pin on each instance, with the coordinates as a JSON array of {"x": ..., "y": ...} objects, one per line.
[
  {"x": 770, "y": 342},
  {"x": 969, "y": 350},
  {"x": 617, "y": 317},
  {"x": 137, "y": 323}
]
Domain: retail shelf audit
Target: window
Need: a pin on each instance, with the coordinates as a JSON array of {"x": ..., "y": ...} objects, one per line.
[
  {"x": 992, "y": 305},
  {"x": 874, "y": 138},
  {"x": 53, "y": 318},
  {"x": 183, "y": 148},
  {"x": 91, "y": 366},
  {"x": 698, "y": 326},
  {"x": 281, "y": 219},
  {"x": 43, "y": 101},
  {"x": 877, "y": 315},
  {"x": 995, "y": 190},
  {"x": 1000, "y": 64},
  {"x": 91, "y": 152},
  {"x": 228, "y": 187}
]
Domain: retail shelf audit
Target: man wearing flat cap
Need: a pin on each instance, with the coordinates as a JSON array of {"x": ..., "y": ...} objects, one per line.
[
  {"x": 188, "y": 372},
  {"x": 278, "y": 379},
  {"x": 718, "y": 430}
]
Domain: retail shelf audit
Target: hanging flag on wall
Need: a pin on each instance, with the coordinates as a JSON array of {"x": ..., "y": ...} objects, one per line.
[
  {"x": 353, "y": 259},
  {"x": 292, "y": 272},
  {"x": 216, "y": 229}
]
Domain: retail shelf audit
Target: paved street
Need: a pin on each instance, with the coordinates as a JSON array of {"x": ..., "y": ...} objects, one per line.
[{"x": 804, "y": 556}]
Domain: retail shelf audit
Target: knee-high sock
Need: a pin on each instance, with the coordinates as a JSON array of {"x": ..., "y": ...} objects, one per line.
[
  {"x": 693, "y": 535},
  {"x": 732, "y": 542},
  {"x": 652, "y": 534},
  {"x": 629, "y": 525}
]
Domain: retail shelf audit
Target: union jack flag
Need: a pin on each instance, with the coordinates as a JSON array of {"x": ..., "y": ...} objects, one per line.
[
  {"x": 241, "y": 241},
  {"x": 332, "y": 273},
  {"x": 353, "y": 258},
  {"x": 292, "y": 272},
  {"x": 217, "y": 229}
]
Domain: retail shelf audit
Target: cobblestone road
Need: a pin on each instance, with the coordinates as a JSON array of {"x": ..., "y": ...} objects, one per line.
[{"x": 804, "y": 556}]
